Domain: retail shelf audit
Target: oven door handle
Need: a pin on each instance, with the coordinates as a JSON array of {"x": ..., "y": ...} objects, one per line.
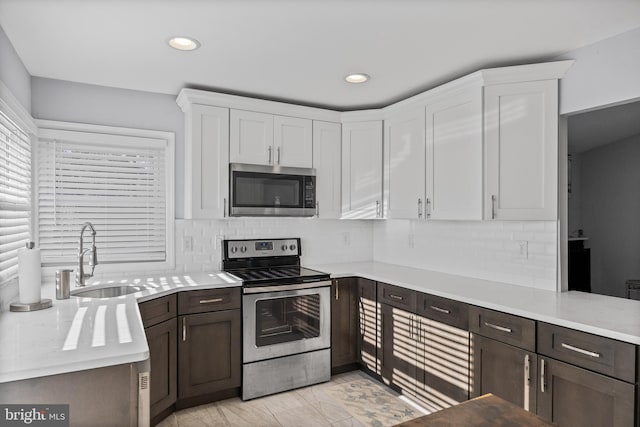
[{"x": 292, "y": 287}]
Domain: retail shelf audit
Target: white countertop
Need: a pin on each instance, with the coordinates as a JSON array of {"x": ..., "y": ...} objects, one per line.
[
  {"x": 85, "y": 333},
  {"x": 616, "y": 318}
]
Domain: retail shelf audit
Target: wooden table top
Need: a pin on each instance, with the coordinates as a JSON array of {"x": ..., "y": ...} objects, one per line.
[{"x": 484, "y": 411}]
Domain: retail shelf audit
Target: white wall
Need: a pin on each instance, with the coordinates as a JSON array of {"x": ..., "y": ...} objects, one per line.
[
  {"x": 83, "y": 103},
  {"x": 606, "y": 72},
  {"x": 322, "y": 241},
  {"x": 13, "y": 72},
  {"x": 610, "y": 213},
  {"x": 482, "y": 249}
]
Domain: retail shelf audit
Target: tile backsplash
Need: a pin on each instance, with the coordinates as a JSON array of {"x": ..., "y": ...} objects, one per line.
[
  {"x": 518, "y": 252},
  {"x": 198, "y": 242}
]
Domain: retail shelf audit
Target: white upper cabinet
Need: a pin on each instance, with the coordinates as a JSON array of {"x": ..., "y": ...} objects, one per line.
[
  {"x": 362, "y": 170},
  {"x": 521, "y": 136},
  {"x": 265, "y": 139},
  {"x": 206, "y": 161},
  {"x": 293, "y": 142},
  {"x": 251, "y": 138},
  {"x": 327, "y": 152},
  {"x": 404, "y": 164},
  {"x": 454, "y": 156}
]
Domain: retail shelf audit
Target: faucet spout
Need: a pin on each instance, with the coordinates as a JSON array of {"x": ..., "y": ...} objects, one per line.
[{"x": 81, "y": 276}]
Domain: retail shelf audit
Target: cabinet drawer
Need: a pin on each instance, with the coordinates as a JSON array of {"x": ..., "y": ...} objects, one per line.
[
  {"x": 396, "y": 296},
  {"x": 158, "y": 310},
  {"x": 507, "y": 328},
  {"x": 208, "y": 300},
  {"x": 599, "y": 354},
  {"x": 444, "y": 310}
]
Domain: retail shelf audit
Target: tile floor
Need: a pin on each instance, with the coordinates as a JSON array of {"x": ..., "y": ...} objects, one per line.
[{"x": 309, "y": 406}]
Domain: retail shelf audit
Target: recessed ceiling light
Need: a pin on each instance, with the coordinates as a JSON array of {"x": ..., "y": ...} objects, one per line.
[
  {"x": 357, "y": 78},
  {"x": 184, "y": 43}
]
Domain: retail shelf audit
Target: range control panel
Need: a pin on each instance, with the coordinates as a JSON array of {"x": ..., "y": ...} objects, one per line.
[{"x": 235, "y": 249}]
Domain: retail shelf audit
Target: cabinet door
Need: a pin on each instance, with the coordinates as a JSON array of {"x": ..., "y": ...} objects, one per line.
[
  {"x": 344, "y": 322},
  {"x": 251, "y": 138},
  {"x": 362, "y": 170},
  {"x": 571, "y": 396},
  {"x": 163, "y": 354},
  {"x": 209, "y": 353},
  {"x": 504, "y": 370},
  {"x": 454, "y": 157},
  {"x": 399, "y": 345},
  {"x": 327, "y": 152},
  {"x": 293, "y": 142},
  {"x": 404, "y": 165},
  {"x": 367, "y": 339},
  {"x": 521, "y": 136},
  {"x": 442, "y": 378},
  {"x": 206, "y": 162}
]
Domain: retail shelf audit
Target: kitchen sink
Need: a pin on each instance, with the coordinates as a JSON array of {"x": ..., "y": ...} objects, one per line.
[{"x": 110, "y": 292}]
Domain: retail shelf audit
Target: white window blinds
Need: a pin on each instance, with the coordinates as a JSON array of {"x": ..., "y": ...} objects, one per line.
[
  {"x": 15, "y": 195},
  {"x": 118, "y": 183}
]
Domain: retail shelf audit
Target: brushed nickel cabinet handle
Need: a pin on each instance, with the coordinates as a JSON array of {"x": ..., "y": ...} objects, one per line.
[
  {"x": 269, "y": 150},
  {"x": 440, "y": 310},
  {"x": 337, "y": 290},
  {"x": 498, "y": 327},
  {"x": 224, "y": 208},
  {"x": 317, "y": 209},
  {"x": 494, "y": 198},
  {"x": 184, "y": 329},
  {"x": 398, "y": 297},
  {"x": 211, "y": 301},
  {"x": 419, "y": 208},
  {"x": 542, "y": 376},
  {"x": 581, "y": 350},
  {"x": 527, "y": 380},
  {"x": 377, "y": 208},
  {"x": 278, "y": 155},
  {"x": 428, "y": 208}
]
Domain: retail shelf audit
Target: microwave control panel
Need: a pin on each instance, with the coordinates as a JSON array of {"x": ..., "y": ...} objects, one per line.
[{"x": 310, "y": 192}]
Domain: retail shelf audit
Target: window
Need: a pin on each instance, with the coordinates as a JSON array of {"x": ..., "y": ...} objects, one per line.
[
  {"x": 120, "y": 180},
  {"x": 15, "y": 195}
]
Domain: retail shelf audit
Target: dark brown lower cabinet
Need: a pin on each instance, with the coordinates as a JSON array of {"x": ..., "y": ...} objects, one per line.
[
  {"x": 367, "y": 333},
  {"x": 344, "y": 322},
  {"x": 208, "y": 353},
  {"x": 572, "y": 396},
  {"x": 442, "y": 377},
  {"x": 163, "y": 354},
  {"x": 506, "y": 371},
  {"x": 399, "y": 342}
]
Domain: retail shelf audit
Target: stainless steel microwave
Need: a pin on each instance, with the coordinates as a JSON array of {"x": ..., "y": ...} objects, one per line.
[{"x": 271, "y": 191}]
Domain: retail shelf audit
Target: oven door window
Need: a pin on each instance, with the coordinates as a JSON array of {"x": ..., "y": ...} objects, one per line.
[
  {"x": 280, "y": 320},
  {"x": 267, "y": 190}
]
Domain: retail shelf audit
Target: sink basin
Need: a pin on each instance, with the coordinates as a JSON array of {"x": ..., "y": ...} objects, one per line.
[{"x": 111, "y": 292}]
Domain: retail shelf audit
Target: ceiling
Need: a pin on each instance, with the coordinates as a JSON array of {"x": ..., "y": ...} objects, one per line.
[
  {"x": 596, "y": 128},
  {"x": 300, "y": 50}
]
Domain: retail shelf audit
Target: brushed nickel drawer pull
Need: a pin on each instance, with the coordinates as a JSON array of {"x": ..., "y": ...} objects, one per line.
[
  {"x": 580, "y": 350},
  {"x": 398, "y": 297},
  {"x": 211, "y": 301},
  {"x": 498, "y": 328},
  {"x": 527, "y": 380},
  {"x": 440, "y": 310},
  {"x": 542, "y": 376},
  {"x": 184, "y": 329}
]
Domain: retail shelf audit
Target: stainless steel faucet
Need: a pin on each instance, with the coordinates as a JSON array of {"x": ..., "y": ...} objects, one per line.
[{"x": 81, "y": 276}]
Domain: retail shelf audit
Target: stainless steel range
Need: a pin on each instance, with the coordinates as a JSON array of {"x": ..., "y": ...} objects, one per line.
[{"x": 286, "y": 316}]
